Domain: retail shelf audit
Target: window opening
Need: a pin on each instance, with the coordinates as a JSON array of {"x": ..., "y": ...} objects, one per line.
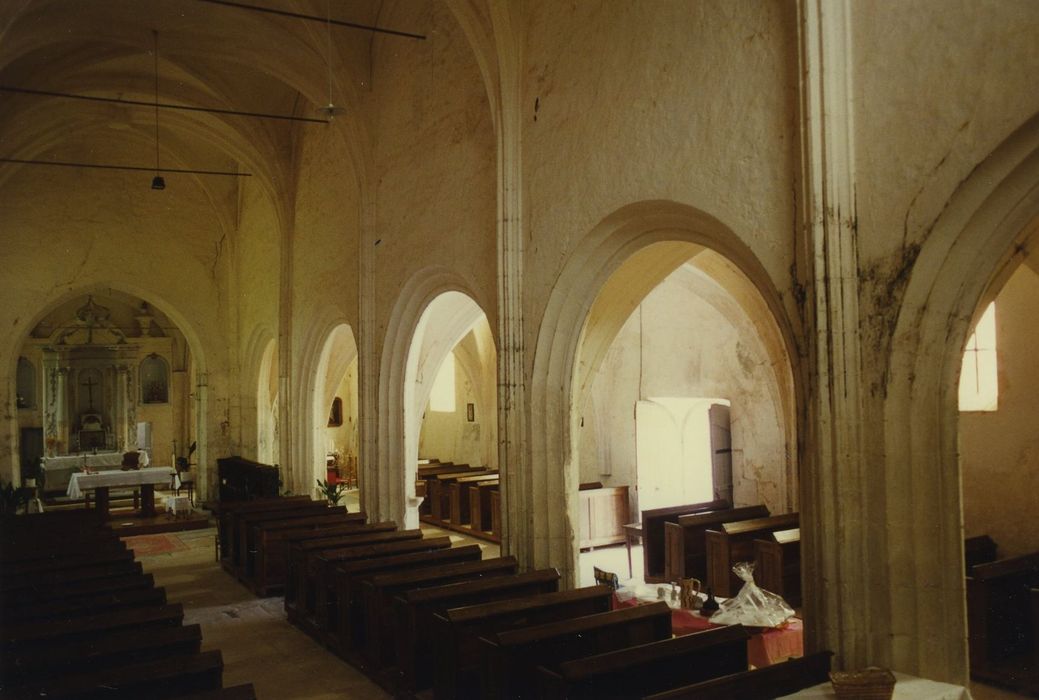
[{"x": 979, "y": 378}]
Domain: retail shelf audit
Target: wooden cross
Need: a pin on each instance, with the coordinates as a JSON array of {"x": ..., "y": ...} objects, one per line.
[{"x": 90, "y": 384}]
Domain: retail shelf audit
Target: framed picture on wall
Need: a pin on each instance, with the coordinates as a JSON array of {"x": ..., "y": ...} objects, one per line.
[{"x": 470, "y": 412}]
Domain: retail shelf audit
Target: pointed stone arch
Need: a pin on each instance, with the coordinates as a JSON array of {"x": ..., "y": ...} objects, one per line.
[
  {"x": 540, "y": 506},
  {"x": 983, "y": 232}
]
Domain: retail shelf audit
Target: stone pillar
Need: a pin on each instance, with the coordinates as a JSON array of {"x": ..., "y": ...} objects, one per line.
[
  {"x": 845, "y": 595},
  {"x": 119, "y": 412}
]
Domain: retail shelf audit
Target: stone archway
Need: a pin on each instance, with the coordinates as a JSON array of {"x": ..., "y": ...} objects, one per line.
[
  {"x": 978, "y": 237},
  {"x": 541, "y": 512},
  {"x": 192, "y": 388},
  {"x": 337, "y": 358}
]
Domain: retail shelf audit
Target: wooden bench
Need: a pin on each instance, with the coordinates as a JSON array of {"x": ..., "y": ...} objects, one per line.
[
  {"x": 91, "y": 557},
  {"x": 653, "y": 534},
  {"x": 66, "y": 577},
  {"x": 414, "y": 613},
  {"x": 648, "y": 668},
  {"x": 458, "y": 653},
  {"x": 460, "y": 512},
  {"x": 734, "y": 542},
  {"x": 437, "y": 490},
  {"x": 347, "y": 632},
  {"x": 268, "y": 562},
  {"x": 380, "y": 591},
  {"x": 61, "y": 591},
  {"x": 248, "y": 522},
  {"x": 35, "y": 549},
  {"x": 164, "y": 678},
  {"x": 603, "y": 514},
  {"x": 38, "y": 635},
  {"x": 496, "y": 514},
  {"x": 999, "y": 618},
  {"x": 305, "y": 600},
  {"x": 480, "y": 505},
  {"x": 115, "y": 649},
  {"x": 784, "y": 678},
  {"x": 287, "y": 578},
  {"x": 224, "y": 514},
  {"x": 685, "y": 549},
  {"x": 511, "y": 657},
  {"x": 322, "y": 572},
  {"x": 777, "y": 564},
  {"x": 80, "y": 605},
  {"x": 978, "y": 550}
]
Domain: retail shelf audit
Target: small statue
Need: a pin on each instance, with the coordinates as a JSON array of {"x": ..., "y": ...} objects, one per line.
[
  {"x": 710, "y": 606},
  {"x": 690, "y": 595}
]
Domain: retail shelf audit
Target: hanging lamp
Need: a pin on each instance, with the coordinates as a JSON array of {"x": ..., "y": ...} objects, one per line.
[
  {"x": 158, "y": 182},
  {"x": 330, "y": 110}
]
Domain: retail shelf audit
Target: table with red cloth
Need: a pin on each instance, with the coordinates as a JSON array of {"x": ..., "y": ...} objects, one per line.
[{"x": 765, "y": 647}]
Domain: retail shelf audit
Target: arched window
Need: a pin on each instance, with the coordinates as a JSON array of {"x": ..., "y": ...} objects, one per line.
[
  {"x": 26, "y": 384},
  {"x": 979, "y": 378},
  {"x": 154, "y": 380},
  {"x": 335, "y": 416}
]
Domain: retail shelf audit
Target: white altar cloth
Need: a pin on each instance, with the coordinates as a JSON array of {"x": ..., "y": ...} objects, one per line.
[
  {"x": 55, "y": 472},
  {"x": 118, "y": 478},
  {"x": 906, "y": 688}
]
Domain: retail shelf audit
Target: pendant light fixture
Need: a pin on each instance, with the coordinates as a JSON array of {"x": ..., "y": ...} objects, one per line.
[
  {"x": 330, "y": 110},
  {"x": 158, "y": 182}
]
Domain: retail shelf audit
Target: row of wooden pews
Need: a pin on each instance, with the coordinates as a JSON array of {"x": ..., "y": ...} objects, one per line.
[
  {"x": 425, "y": 619},
  {"x": 460, "y": 497},
  {"x": 79, "y": 618},
  {"x": 705, "y": 540},
  {"x": 1002, "y": 616}
]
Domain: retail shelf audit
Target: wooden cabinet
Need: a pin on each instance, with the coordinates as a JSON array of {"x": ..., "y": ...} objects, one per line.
[{"x": 604, "y": 511}]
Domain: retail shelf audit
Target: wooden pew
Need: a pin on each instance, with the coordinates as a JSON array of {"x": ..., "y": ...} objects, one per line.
[
  {"x": 459, "y": 512},
  {"x": 347, "y": 632},
  {"x": 978, "y": 550},
  {"x": 22, "y": 588},
  {"x": 480, "y": 505},
  {"x": 115, "y": 649},
  {"x": 40, "y": 635},
  {"x": 649, "y": 668},
  {"x": 300, "y": 565},
  {"x": 78, "y": 560},
  {"x": 265, "y": 568},
  {"x": 426, "y": 474},
  {"x": 458, "y": 653},
  {"x": 777, "y": 564},
  {"x": 46, "y": 548},
  {"x": 80, "y": 605},
  {"x": 164, "y": 678},
  {"x": 685, "y": 550},
  {"x": 999, "y": 629},
  {"x": 437, "y": 486},
  {"x": 322, "y": 572},
  {"x": 288, "y": 577},
  {"x": 496, "y": 514},
  {"x": 653, "y": 534},
  {"x": 414, "y": 613},
  {"x": 60, "y": 591},
  {"x": 784, "y": 678},
  {"x": 511, "y": 657},
  {"x": 247, "y": 523},
  {"x": 224, "y": 513},
  {"x": 734, "y": 542},
  {"x": 380, "y": 591}
]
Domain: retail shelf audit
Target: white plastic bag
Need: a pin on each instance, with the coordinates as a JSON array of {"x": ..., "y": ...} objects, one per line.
[{"x": 752, "y": 606}]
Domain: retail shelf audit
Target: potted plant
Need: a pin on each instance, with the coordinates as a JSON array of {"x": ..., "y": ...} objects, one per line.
[{"x": 332, "y": 491}]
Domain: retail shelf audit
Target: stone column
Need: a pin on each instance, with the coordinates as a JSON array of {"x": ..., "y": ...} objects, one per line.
[
  {"x": 845, "y": 597},
  {"x": 119, "y": 403}
]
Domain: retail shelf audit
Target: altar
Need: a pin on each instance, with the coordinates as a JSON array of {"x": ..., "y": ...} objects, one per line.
[
  {"x": 102, "y": 482},
  {"x": 56, "y": 472}
]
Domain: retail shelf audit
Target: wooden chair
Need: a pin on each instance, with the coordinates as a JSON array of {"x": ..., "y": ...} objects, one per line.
[{"x": 184, "y": 479}]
